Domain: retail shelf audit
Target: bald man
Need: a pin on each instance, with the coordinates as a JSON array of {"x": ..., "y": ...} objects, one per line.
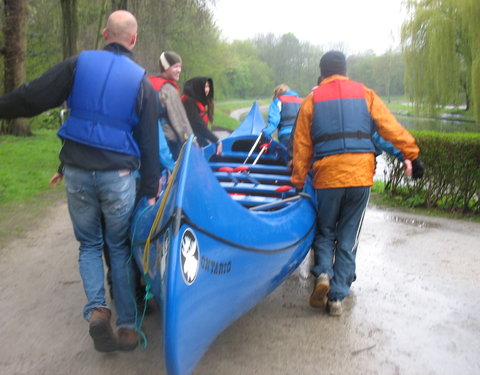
[{"x": 111, "y": 132}]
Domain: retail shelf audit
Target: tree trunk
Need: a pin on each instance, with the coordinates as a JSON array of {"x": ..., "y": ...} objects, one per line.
[
  {"x": 14, "y": 51},
  {"x": 114, "y": 5},
  {"x": 474, "y": 100},
  {"x": 119, "y": 5},
  {"x": 101, "y": 19},
  {"x": 70, "y": 27}
]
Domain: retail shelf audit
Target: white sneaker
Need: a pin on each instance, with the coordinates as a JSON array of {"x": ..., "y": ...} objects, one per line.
[{"x": 335, "y": 308}]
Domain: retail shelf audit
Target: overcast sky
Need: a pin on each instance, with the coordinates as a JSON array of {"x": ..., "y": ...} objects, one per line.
[{"x": 354, "y": 25}]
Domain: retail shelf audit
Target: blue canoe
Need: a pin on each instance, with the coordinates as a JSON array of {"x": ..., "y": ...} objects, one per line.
[{"x": 220, "y": 239}]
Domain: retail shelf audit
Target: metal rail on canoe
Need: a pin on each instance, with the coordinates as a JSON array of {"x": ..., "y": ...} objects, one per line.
[{"x": 280, "y": 202}]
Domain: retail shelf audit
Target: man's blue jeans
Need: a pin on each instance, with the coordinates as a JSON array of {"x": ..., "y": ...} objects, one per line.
[
  {"x": 339, "y": 221},
  {"x": 90, "y": 195}
]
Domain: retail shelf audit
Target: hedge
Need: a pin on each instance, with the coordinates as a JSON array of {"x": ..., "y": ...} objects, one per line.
[{"x": 452, "y": 177}]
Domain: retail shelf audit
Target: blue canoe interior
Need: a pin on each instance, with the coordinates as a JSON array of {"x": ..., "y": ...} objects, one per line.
[{"x": 224, "y": 234}]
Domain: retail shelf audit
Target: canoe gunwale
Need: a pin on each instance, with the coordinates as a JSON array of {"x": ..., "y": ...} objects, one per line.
[{"x": 189, "y": 222}]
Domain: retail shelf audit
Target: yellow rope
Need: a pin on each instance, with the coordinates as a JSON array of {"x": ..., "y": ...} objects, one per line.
[{"x": 159, "y": 216}]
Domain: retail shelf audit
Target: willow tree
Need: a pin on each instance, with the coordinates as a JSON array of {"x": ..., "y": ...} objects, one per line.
[
  {"x": 471, "y": 11},
  {"x": 440, "y": 44}
]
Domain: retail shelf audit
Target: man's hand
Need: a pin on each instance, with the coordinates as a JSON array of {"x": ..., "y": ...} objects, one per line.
[
  {"x": 151, "y": 201},
  {"x": 56, "y": 179},
  {"x": 418, "y": 169},
  {"x": 219, "y": 148},
  {"x": 407, "y": 167}
]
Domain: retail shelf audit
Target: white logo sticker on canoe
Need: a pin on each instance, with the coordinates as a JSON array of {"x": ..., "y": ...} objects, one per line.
[{"x": 189, "y": 256}]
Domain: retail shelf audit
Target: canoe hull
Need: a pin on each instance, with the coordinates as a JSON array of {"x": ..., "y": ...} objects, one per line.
[{"x": 211, "y": 259}]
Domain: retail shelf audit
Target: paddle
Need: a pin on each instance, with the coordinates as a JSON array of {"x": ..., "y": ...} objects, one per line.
[
  {"x": 253, "y": 148},
  {"x": 263, "y": 148}
]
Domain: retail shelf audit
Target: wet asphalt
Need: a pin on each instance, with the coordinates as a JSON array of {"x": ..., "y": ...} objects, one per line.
[{"x": 414, "y": 309}]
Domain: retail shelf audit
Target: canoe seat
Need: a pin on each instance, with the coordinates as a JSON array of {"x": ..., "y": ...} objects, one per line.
[
  {"x": 275, "y": 179},
  {"x": 241, "y": 156},
  {"x": 258, "y": 190},
  {"x": 253, "y": 185},
  {"x": 257, "y": 168}
]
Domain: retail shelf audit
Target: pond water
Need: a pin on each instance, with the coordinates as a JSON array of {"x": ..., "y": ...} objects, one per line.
[{"x": 448, "y": 126}]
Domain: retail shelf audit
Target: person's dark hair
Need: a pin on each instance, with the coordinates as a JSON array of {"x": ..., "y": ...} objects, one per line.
[{"x": 195, "y": 87}]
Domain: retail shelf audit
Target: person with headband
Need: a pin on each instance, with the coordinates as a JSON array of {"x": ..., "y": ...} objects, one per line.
[{"x": 172, "y": 116}]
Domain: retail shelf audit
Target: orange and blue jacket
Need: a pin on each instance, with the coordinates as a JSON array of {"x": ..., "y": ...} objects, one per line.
[{"x": 343, "y": 167}]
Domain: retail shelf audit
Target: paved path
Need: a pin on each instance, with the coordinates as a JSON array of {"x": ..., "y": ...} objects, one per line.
[
  {"x": 237, "y": 114},
  {"x": 414, "y": 310}
]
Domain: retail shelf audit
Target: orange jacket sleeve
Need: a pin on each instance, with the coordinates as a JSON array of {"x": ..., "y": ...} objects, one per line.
[
  {"x": 389, "y": 128},
  {"x": 302, "y": 144}
]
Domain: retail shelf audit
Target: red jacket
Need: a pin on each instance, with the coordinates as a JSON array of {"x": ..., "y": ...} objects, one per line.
[{"x": 158, "y": 82}]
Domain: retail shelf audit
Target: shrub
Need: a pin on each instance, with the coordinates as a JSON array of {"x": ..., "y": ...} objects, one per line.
[{"x": 452, "y": 178}]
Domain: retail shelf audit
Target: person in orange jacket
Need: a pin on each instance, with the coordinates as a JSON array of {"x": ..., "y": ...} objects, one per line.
[{"x": 333, "y": 137}]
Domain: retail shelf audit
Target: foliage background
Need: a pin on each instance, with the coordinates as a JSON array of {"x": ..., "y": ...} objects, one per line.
[{"x": 240, "y": 69}]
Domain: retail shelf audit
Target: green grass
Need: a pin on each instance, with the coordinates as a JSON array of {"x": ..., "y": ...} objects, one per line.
[
  {"x": 27, "y": 165},
  {"x": 223, "y": 119},
  {"x": 25, "y": 170}
]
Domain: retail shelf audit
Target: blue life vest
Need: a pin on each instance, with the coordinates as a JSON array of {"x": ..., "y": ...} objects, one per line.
[
  {"x": 341, "y": 120},
  {"x": 103, "y": 102},
  {"x": 290, "y": 107}
]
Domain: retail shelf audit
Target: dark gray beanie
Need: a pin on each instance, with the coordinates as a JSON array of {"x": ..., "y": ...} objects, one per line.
[
  {"x": 167, "y": 59},
  {"x": 333, "y": 62}
]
